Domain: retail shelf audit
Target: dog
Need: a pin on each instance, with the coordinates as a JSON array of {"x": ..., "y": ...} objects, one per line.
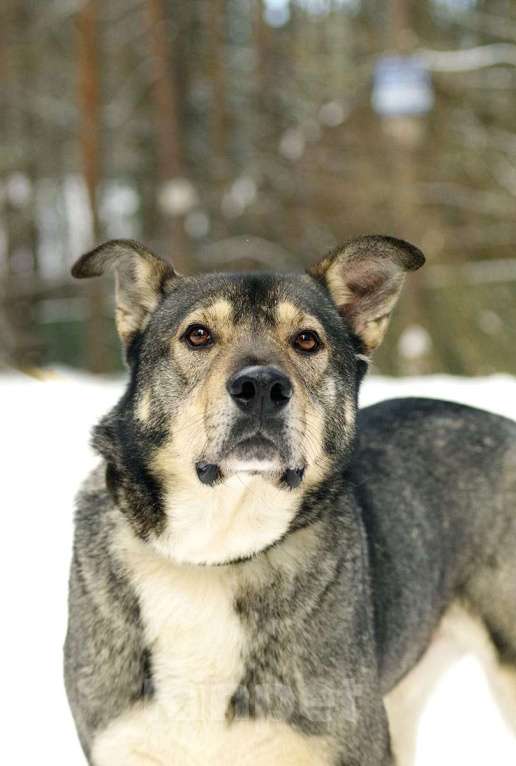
[{"x": 262, "y": 574}]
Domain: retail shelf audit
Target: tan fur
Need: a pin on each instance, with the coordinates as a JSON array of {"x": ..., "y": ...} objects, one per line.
[
  {"x": 196, "y": 639},
  {"x": 350, "y": 414},
  {"x": 144, "y": 407},
  {"x": 459, "y": 633},
  {"x": 218, "y": 316},
  {"x": 126, "y": 322},
  {"x": 236, "y": 518},
  {"x": 241, "y": 516},
  {"x": 245, "y": 513},
  {"x": 134, "y": 307},
  {"x": 502, "y": 681},
  {"x": 337, "y": 286},
  {"x": 370, "y": 329},
  {"x": 221, "y": 313},
  {"x": 369, "y": 319},
  {"x": 290, "y": 320},
  {"x": 373, "y": 332},
  {"x": 317, "y": 464},
  {"x": 145, "y": 737}
]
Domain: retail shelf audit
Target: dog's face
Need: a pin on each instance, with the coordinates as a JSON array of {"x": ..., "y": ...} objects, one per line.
[
  {"x": 243, "y": 387},
  {"x": 247, "y": 373}
]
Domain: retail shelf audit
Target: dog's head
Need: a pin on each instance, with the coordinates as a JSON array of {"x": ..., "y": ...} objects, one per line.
[{"x": 243, "y": 389}]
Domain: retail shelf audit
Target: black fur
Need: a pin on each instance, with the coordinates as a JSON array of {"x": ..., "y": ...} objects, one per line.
[{"x": 413, "y": 510}]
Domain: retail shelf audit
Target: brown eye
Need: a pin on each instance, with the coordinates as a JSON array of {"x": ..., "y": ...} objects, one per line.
[
  {"x": 198, "y": 336},
  {"x": 307, "y": 342}
]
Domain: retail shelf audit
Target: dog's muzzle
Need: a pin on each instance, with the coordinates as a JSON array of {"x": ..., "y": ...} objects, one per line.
[{"x": 262, "y": 394}]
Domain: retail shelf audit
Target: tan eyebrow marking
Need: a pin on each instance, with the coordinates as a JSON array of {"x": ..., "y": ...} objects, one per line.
[
  {"x": 217, "y": 316},
  {"x": 290, "y": 318},
  {"x": 288, "y": 314},
  {"x": 221, "y": 311}
]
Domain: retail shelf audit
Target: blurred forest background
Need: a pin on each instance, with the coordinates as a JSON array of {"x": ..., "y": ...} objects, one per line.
[{"x": 258, "y": 134}]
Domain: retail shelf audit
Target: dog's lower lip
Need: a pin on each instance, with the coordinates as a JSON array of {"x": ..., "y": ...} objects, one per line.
[
  {"x": 208, "y": 473},
  {"x": 293, "y": 477}
]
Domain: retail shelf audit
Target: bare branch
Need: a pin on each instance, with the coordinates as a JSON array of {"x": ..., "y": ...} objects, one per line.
[{"x": 470, "y": 59}]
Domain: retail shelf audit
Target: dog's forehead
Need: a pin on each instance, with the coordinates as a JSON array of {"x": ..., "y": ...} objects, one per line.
[{"x": 240, "y": 297}]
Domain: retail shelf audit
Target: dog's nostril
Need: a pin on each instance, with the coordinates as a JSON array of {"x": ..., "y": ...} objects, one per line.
[
  {"x": 242, "y": 389},
  {"x": 247, "y": 391},
  {"x": 280, "y": 393}
]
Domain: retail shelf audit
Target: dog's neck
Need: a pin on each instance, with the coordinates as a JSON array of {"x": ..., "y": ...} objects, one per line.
[
  {"x": 192, "y": 523},
  {"x": 232, "y": 520}
]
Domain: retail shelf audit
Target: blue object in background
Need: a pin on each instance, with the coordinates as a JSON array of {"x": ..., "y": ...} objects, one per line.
[{"x": 402, "y": 86}]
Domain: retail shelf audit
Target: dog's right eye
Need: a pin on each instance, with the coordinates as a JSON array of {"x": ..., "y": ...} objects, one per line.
[{"x": 198, "y": 336}]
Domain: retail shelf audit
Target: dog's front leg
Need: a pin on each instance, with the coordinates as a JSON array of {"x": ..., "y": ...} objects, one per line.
[
  {"x": 126, "y": 757},
  {"x": 137, "y": 738},
  {"x": 368, "y": 743},
  {"x": 370, "y": 758}
]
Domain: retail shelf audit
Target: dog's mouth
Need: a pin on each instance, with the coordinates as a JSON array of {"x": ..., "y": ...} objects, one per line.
[{"x": 253, "y": 455}]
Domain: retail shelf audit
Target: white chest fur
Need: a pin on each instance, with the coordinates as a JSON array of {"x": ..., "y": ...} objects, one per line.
[
  {"x": 196, "y": 640},
  {"x": 236, "y": 518},
  {"x": 191, "y": 627}
]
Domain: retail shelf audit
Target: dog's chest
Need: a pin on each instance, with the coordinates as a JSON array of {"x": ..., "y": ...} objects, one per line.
[
  {"x": 197, "y": 644},
  {"x": 194, "y": 635}
]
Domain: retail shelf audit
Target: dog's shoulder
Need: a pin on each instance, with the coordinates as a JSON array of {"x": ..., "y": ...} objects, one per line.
[
  {"x": 423, "y": 428},
  {"x": 447, "y": 459},
  {"x": 104, "y": 620},
  {"x": 93, "y": 499},
  {"x": 96, "y": 517}
]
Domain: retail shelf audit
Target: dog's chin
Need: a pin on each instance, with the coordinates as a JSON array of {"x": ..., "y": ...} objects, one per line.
[{"x": 256, "y": 456}]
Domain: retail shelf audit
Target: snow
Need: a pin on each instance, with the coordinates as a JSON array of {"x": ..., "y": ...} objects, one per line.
[{"x": 46, "y": 454}]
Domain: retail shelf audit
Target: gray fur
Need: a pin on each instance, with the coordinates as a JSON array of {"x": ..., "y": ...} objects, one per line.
[
  {"x": 416, "y": 511},
  {"x": 102, "y": 676}
]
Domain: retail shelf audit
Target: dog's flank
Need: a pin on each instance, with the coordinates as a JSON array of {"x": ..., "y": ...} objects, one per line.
[{"x": 255, "y": 566}]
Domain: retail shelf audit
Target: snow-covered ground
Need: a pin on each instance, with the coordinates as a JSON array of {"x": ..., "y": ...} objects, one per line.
[{"x": 45, "y": 427}]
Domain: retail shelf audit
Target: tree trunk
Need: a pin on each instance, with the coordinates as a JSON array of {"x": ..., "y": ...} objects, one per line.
[
  {"x": 90, "y": 136},
  {"x": 407, "y": 212},
  {"x": 167, "y": 121},
  {"x": 18, "y": 72},
  {"x": 265, "y": 118},
  {"x": 216, "y": 27}
]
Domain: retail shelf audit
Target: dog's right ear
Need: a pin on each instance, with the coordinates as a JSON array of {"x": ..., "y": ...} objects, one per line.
[
  {"x": 364, "y": 278},
  {"x": 142, "y": 280}
]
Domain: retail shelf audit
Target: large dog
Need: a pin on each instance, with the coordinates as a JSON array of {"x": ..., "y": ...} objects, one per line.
[{"x": 261, "y": 576}]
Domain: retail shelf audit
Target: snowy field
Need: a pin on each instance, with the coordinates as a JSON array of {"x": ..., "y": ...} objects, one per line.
[{"x": 45, "y": 427}]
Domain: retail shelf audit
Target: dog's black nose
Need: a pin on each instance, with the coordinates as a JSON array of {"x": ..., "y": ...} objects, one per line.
[{"x": 260, "y": 390}]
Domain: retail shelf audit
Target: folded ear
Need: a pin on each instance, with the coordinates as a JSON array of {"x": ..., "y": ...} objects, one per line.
[
  {"x": 364, "y": 278},
  {"x": 141, "y": 281}
]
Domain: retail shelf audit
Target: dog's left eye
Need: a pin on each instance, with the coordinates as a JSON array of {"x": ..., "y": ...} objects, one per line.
[
  {"x": 198, "y": 336},
  {"x": 306, "y": 342}
]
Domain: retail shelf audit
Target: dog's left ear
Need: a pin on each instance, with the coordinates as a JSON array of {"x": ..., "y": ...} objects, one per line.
[
  {"x": 364, "y": 278},
  {"x": 142, "y": 280}
]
